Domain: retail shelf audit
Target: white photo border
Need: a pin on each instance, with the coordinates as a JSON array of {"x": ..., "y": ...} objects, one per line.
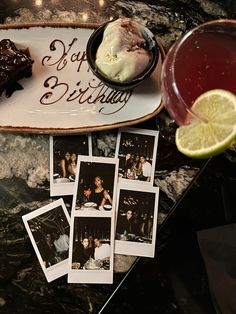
[
  {"x": 93, "y": 276},
  {"x": 148, "y": 132},
  {"x": 60, "y": 269},
  {"x": 106, "y": 149},
  {"x": 62, "y": 188},
  {"x": 135, "y": 248}
]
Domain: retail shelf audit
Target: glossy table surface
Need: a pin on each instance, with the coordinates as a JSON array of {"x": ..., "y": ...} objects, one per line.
[{"x": 24, "y": 167}]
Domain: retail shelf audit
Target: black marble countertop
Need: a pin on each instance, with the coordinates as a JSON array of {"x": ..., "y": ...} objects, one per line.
[{"x": 24, "y": 158}]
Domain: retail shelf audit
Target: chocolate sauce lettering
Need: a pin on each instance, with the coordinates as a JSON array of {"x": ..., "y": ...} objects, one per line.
[
  {"x": 80, "y": 57},
  {"x": 61, "y": 61},
  {"x": 90, "y": 94},
  {"x": 90, "y": 91},
  {"x": 60, "y": 88}
]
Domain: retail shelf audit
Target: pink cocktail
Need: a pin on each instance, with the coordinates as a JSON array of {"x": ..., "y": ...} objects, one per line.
[{"x": 203, "y": 59}]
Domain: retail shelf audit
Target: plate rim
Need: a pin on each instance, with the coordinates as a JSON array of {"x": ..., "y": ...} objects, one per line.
[{"x": 77, "y": 130}]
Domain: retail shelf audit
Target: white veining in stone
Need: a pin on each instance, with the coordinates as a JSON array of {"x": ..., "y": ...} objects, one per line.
[
  {"x": 25, "y": 157},
  {"x": 174, "y": 183}
]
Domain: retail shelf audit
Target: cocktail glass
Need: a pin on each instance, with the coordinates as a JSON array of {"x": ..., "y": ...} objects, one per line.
[{"x": 203, "y": 59}]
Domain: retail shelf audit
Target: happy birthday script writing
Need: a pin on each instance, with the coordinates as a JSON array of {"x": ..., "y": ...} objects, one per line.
[{"x": 91, "y": 92}]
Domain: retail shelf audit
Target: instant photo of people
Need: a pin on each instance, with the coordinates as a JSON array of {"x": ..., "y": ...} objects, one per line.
[
  {"x": 136, "y": 220},
  {"x": 64, "y": 151},
  {"x": 104, "y": 143},
  {"x": 93, "y": 219},
  {"x": 91, "y": 250},
  {"x": 136, "y": 150},
  {"x": 96, "y": 185},
  {"x": 48, "y": 228}
]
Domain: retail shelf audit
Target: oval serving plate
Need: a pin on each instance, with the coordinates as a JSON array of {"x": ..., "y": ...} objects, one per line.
[
  {"x": 63, "y": 96},
  {"x": 90, "y": 204}
]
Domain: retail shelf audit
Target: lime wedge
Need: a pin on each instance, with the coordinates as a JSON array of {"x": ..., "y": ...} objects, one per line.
[{"x": 212, "y": 127}]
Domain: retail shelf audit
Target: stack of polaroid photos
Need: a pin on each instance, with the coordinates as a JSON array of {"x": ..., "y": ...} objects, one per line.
[{"x": 110, "y": 176}]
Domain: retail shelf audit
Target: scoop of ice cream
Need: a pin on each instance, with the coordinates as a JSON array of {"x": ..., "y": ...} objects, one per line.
[{"x": 122, "y": 54}]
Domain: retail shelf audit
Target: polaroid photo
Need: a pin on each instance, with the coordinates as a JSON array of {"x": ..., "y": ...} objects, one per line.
[
  {"x": 95, "y": 186},
  {"x": 136, "y": 220},
  {"x": 48, "y": 228},
  {"x": 64, "y": 151},
  {"x": 91, "y": 250},
  {"x": 104, "y": 143},
  {"x": 136, "y": 150},
  {"x": 93, "y": 220}
]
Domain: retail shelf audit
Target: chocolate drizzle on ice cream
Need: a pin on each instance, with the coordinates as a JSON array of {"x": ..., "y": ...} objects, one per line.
[{"x": 123, "y": 53}]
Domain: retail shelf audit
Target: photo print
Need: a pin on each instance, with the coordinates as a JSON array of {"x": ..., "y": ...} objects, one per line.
[
  {"x": 104, "y": 143},
  {"x": 136, "y": 220},
  {"x": 93, "y": 220},
  {"x": 91, "y": 250},
  {"x": 136, "y": 150},
  {"x": 95, "y": 186},
  {"x": 48, "y": 228},
  {"x": 64, "y": 151}
]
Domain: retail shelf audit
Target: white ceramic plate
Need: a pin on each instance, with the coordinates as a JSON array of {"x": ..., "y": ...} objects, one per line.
[
  {"x": 90, "y": 204},
  {"x": 63, "y": 96}
]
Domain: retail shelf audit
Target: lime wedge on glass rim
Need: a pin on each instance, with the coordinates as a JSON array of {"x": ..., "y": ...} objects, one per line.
[{"x": 212, "y": 127}]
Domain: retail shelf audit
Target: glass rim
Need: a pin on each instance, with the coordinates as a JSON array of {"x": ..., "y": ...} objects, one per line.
[{"x": 179, "y": 43}]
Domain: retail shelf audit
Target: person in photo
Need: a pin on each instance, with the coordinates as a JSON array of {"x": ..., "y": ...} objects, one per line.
[
  {"x": 137, "y": 166},
  {"x": 72, "y": 164},
  {"x": 104, "y": 143},
  {"x": 125, "y": 223},
  {"x": 47, "y": 250},
  {"x": 61, "y": 243},
  {"x": 87, "y": 194},
  {"x": 82, "y": 253},
  {"x": 146, "y": 168},
  {"x": 102, "y": 250},
  {"x": 64, "y": 164},
  {"x": 100, "y": 195}
]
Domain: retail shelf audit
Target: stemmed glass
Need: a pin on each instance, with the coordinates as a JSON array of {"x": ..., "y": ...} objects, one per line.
[{"x": 203, "y": 59}]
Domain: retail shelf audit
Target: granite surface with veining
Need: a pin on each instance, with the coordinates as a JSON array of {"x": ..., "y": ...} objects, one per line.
[{"x": 24, "y": 158}]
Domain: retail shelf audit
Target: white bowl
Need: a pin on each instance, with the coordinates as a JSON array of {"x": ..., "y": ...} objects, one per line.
[{"x": 107, "y": 207}]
